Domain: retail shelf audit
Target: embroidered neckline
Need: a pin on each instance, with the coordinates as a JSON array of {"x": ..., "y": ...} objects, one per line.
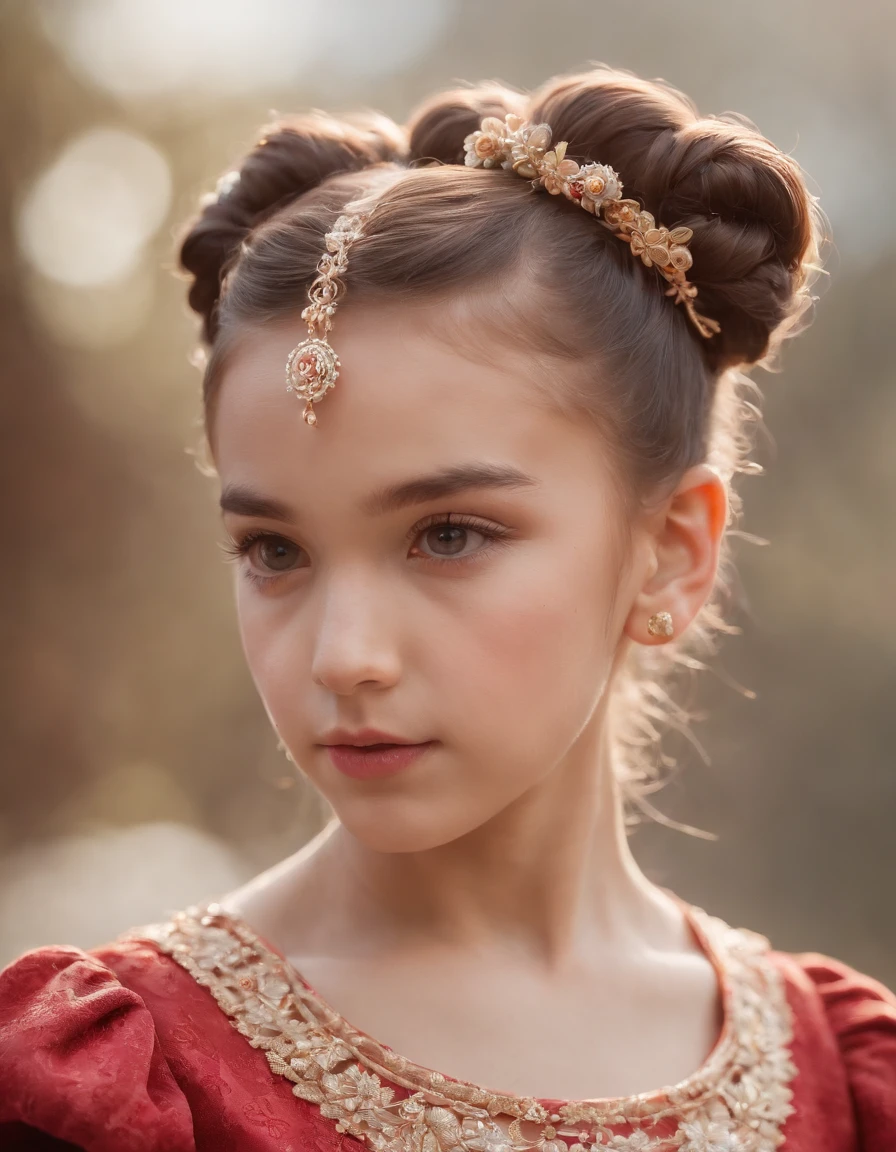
[{"x": 736, "y": 1101}]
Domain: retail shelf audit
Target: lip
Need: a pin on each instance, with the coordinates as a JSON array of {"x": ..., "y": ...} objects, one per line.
[
  {"x": 362, "y": 736},
  {"x": 377, "y": 762}
]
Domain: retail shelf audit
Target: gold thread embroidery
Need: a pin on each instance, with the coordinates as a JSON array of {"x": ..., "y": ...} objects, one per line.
[{"x": 738, "y": 1100}]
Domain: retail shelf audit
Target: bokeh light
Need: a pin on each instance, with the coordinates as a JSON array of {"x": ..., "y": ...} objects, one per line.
[
  {"x": 87, "y": 218},
  {"x": 135, "y": 49}
]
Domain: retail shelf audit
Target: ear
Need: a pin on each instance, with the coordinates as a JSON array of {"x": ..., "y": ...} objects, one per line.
[{"x": 684, "y": 539}]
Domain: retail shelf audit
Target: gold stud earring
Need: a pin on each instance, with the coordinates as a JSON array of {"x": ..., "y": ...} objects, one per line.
[{"x": 660, "y": 624}]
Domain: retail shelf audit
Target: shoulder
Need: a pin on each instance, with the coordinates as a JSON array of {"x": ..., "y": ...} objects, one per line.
[
  {"x": 859, "y": 1010},
  {"x": 845, "y": 1017},
  {"x": 79, "y": 1057}
]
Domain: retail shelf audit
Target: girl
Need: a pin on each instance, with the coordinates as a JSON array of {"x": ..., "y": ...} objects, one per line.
[{"x": 462, "y": 574}]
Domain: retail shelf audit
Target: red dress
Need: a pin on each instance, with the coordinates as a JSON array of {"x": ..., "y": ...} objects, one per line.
[{"x": 196, "y": 1036}]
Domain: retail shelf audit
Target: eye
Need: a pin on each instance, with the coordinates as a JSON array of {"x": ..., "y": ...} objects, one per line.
[
  {"x": 275, "y": 553},
  {"x": 448, "y": 540},
  {"x": 456, "y": 539},
  {"x": 269, "y": 553}
]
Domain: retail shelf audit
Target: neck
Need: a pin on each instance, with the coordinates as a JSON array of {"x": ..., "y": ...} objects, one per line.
[{"x": 550, "y": 877}]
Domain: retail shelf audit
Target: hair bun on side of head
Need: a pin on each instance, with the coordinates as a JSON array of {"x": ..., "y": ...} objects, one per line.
[
  {"x": 757, "y": 230},
  {"x": 439, "y": 126},
  {"x": 294, "y": 155}
]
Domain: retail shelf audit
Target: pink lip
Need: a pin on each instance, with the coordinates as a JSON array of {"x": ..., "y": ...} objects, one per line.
[
  {"x": 370, "y": 763},
  {"x": 363, "y": 736}
]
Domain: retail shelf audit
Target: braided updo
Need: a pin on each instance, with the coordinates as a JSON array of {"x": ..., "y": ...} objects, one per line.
[{"x": 664, "y": 397}]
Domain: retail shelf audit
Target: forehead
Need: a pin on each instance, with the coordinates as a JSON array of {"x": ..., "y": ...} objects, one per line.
[{"x": 405, "y": 402}]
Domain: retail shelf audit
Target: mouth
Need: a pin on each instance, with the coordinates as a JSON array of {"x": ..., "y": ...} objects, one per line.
[{"x": 373, "y": 761}]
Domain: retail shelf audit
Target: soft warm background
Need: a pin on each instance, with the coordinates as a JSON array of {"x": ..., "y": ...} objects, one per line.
[{"x": 138, "y": 771}]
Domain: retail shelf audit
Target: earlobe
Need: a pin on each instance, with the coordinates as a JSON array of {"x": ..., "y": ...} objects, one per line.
[{"x": 686, "y": 540}]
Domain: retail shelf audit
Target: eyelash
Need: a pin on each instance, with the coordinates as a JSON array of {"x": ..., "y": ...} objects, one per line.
[{"x": 236, "y": 550}]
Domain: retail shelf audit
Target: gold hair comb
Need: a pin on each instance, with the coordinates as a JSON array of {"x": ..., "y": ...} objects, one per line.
[{"x": 522, "y": 147}]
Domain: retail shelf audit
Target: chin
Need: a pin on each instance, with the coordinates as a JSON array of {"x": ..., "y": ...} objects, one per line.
[{"x": 391, "y": 826}]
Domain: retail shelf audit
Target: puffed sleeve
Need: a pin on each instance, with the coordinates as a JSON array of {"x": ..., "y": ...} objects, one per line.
[
  {"x": 80, "y": 1063},
  {"x": 862, "y": 1015}
]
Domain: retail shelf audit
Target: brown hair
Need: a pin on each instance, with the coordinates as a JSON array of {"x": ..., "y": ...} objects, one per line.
[{"x": 537, "y": 271}]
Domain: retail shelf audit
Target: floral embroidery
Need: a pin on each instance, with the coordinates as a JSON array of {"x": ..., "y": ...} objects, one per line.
[{"x": 737, "y": 1101}]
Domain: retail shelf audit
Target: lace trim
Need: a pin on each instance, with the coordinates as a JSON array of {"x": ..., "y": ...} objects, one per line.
[{"x": 737, "y": 1101}]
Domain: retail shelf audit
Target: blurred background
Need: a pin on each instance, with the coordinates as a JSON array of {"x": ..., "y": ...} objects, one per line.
[{"x": 138, "y": 769}]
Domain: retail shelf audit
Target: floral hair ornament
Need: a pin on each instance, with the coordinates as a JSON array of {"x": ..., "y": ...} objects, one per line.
[
  {"x": 312, "y": 366},
  {"x": 522, "y": 147}
]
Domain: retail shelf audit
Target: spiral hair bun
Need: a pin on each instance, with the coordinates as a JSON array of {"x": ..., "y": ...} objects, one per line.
[
  {"x": 293, "y": 155},
  {"x": 757, "y": 230}
]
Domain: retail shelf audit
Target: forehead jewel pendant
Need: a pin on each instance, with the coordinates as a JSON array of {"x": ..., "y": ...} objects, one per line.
[{"x": 312, "y": 366}]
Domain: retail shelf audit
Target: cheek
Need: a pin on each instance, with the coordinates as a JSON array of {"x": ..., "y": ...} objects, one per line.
[
  {"x": 272, "y": 647},
  {"x": 542, "y": 647}
]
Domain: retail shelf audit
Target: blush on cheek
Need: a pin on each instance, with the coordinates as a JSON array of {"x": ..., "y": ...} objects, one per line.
[
  {"x": 532, "y": 619},
  {"x": 535, "y": 650}
]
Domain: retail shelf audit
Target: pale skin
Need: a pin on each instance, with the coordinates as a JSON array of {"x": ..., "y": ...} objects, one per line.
[{"x": 480, "y": 912}]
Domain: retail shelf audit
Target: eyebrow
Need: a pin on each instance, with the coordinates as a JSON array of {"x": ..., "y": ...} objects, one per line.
[{"x": 449, "y": 481}]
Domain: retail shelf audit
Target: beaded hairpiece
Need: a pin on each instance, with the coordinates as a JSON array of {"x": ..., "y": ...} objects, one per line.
[
  {"x": 522, "y": 147},
  {"x": 312, "y": 367}
]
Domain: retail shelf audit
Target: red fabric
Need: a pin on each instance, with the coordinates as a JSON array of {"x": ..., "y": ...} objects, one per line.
[
  {"x": 119, "y": 1050},
  {"x": 840, "y": 1012}
]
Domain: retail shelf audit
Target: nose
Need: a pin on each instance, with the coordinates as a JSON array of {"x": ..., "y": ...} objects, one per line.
[{"x": 355, "y": 641}]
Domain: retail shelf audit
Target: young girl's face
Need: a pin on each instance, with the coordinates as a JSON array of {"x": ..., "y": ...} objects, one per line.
[{"x": 441, "y": 559}]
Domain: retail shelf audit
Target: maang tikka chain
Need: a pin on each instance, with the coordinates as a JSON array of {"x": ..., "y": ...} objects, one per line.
[{"x": 313, "y": 367}]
